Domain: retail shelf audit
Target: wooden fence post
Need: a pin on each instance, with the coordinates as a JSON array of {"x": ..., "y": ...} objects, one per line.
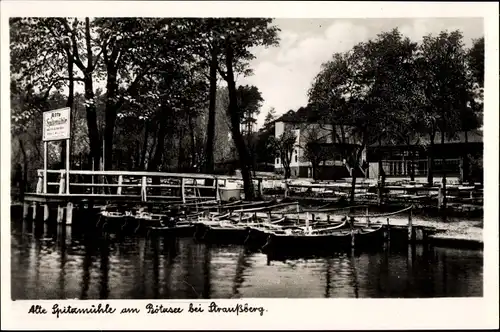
[
  {"x": 261, "y": 191},
  {"x": 143, "y": 189},
  {"x": 61, "y": 183},
  {"x": 39, "y": 184},
  {"x": 286, "y": 188},
  {"x": 120, "y": 182},
  {"x": 217, "y": 193},
  {"x": 183, "y": 190}
]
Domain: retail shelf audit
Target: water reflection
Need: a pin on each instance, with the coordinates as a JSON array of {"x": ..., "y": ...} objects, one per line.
[{"x": 54, "y": 262}]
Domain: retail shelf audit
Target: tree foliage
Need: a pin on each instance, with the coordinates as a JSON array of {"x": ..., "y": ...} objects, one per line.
[{"x": 283, "y": 147}]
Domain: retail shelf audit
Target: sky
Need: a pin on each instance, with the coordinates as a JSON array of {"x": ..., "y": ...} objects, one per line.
[{"x": 284, "y": 73}]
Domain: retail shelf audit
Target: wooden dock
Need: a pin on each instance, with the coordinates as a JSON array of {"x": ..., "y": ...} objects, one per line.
[{"x": 90, "y": 188}]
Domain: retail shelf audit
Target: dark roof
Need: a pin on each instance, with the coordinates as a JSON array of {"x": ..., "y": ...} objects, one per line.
[
  {"x": 473, "y": 136},
  {"x": 303, "y": 114}
]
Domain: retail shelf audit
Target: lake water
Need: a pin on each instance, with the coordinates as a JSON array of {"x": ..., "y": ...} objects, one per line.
[{"x": 59, "y": 263}]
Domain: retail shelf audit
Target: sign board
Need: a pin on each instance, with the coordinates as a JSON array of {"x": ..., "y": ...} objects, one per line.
[{"x": 56, "y": 124}]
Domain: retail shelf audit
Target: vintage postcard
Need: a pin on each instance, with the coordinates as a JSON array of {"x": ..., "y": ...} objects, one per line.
[{"x": 247, "y": 165}]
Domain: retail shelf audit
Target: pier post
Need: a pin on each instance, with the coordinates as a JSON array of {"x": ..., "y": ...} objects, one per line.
[
  {"x": 410, "y": 226},
  {"x": 388, "y": 230},
  {"x": 35, "y": 207},
  {"x": 120, "y": 182},
  {"x": 26, "y": 209},
  {"x": 183, "y": 191},
  {"x": 298, "y": 213},
  {"x": 353, "y": 236},
  {"x": 46, "y": 212},
  {"x": 60, "y": 214},
  {"x": 379, "y": 191},
  {"x": 69, "y": 213},
  {"x": 367, "y": 217}
]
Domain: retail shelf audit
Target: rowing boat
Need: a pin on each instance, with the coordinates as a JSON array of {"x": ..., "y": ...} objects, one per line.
[{"x": 330, "y": 239}]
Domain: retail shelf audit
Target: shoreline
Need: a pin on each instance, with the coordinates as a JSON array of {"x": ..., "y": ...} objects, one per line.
[{"x": 455, "y": 232}]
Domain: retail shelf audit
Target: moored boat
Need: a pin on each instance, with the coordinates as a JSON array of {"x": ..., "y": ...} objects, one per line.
[{"x": 323, "y": 239}]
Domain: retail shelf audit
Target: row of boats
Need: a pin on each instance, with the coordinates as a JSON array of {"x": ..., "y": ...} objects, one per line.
[{"x": 266, "y": 226}]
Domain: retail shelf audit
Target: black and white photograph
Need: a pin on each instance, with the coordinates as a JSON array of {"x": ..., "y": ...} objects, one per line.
[{"x": 199, "y": 158}]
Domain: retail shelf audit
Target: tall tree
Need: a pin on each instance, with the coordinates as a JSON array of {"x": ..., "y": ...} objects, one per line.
[
  {"x": 249, "y": 103},
  {"x": 85, "y": 54},
  {"x": 340, "y": 96},
  {"x": 390, "y": 60},
  {"x": 270, "y": 116},
  {"x": 446, "y": 90},
  {"x": 240, "y": 36},
  {"x": 129, "y": 46}
]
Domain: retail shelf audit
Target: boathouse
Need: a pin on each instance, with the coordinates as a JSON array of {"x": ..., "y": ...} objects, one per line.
[{"x": 460, "y": 157}]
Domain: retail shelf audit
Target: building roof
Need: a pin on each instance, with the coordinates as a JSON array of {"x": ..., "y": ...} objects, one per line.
[
  {"x": 473, "y": 136},
  {"x": 303, "y": 114}
]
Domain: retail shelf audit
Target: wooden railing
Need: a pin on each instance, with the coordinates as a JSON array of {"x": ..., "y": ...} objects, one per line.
[{"x": 185, "y": 186}]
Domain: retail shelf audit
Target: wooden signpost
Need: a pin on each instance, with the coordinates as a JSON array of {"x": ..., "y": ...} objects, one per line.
[{"x": 56, "y": 127}]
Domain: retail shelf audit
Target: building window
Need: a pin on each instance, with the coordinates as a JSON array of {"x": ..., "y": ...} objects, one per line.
[
  {"x": 296, "y": 158},
  {"x": 277, "y": 160}
]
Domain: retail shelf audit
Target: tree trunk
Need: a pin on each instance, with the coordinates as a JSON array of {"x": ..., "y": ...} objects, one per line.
[
  {"x": 353, "y": 186},
  {"x": 239, "y": 142},
  {"x": 381, "y": 171},
  {"x": 69, "y": 102},
  {"x": 160, "y": 145},
  {"x": 209, "y": 150},
  {"x": 193, "y": 143},
  {"x": 90, "y": 108},
  {"x": 465, "y": 160},
  {"x": 111, "y": 113},
  {"x": 24, "y": 178},
  {"x": 412, "y": 165},
  {"x": 180, "y": 154},
  {"x": 153, "y": 146},
  {"x": 94, "y": 138},
  {"x": 288, "y": 171},
  {"x": 144, "y": 145},
  {"x": 430, "y": 162},
  {"x": 443, "y": 170}
]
